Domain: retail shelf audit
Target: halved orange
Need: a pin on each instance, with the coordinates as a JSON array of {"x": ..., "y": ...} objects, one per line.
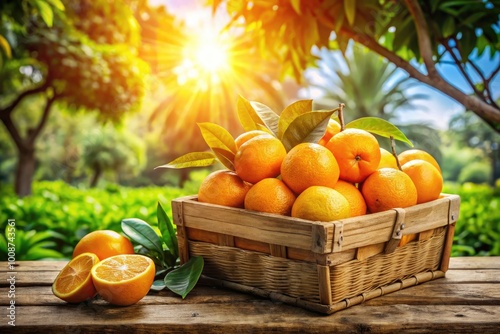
[
  {"x": 124, "y": 279},
  {"x": 74, "y": 283}
]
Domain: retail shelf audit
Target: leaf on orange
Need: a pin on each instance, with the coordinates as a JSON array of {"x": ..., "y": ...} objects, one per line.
[
  {"x": 225, "y": 157},
  {"x": 291, "y": 112},
  {"x": 257, "y": 116},
  {"x": 308, "y": 127},
  {"x": 379, "y": 127},
  {"x": 217, "y": 137},
  {"x": 193, "y": 159}
]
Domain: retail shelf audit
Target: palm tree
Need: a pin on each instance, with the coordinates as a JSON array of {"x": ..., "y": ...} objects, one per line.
[{"x": 369, "y": 85}]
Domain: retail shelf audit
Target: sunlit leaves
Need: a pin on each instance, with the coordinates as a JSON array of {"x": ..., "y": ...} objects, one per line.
[
  {"x": 306, "y": 128},
  {"x": 193, "y": 159},
  {"x": 291, "y": 112},
  {"x": 380, "y": 127},
  {"x": 220, "y": 142}
]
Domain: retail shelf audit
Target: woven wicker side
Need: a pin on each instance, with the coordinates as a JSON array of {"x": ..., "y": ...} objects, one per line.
[
  {"x": 357, "y": 277},
  {"x": 274, "y": 274}
]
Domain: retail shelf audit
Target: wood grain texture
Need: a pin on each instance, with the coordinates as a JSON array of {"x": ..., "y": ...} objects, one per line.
[{"x": 467, "y": 300}]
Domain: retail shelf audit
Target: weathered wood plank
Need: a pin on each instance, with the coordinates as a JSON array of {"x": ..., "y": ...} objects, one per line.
[
  {"x": 255, "y": 317},
  {"x": 272, "y": 229},
  {"x": 33, "y": 266},
  {"x": 477, "y": 262}
]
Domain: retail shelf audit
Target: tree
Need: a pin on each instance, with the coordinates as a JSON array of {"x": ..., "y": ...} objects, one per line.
[
  {"x": 467, "y": 130},
  {"x": 369, "y": 85},
  {"x": 84, "y": 58},
  {"x": 435, "y": 33},
  {"x": 107, "y": 149}
]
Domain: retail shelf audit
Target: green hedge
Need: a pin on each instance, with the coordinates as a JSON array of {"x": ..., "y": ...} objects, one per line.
[
  {"x": 478, "y": 228},
  {"x": 51, "y": 221}
]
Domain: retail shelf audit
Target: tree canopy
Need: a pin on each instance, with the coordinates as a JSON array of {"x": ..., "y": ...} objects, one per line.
[
  {"x": 82, "y": 54},
  {"x": 434, "y": 33}
]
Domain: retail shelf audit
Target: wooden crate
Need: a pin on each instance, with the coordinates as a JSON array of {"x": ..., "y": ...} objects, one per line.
[{"x": 324, "y": 267}]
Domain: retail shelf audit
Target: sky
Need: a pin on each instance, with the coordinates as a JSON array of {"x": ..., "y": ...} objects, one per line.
[{"x": 437, "y": 109}]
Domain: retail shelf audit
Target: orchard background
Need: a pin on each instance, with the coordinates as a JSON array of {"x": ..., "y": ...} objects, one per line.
[{"x": 95, "y": 94}]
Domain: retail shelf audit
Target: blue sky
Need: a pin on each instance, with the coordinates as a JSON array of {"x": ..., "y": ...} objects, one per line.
[{"x": 437, "y": 109}]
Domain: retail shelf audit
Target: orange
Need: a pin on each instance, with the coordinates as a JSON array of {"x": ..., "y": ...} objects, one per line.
[
  {"x": 307, "y": 165},
  {"x": 245, "y": 136},
  {"x": 74, "y": 283},
  {"x": 259, "y": 158},
  {"x": 332, "y": 129},
  {"x": 353, "y": 196},
  {"x": 414, "y": 154},
  {"x": 320, "y": 203},
  {"x": 357, "y": 153},
  {"x": 104, "y": 243},
  {"x": 427, "y": 179},
  {"x": 223, "y": 187},
  {"x": 387, "y": 159},
  {"x": 388, "y": 188},
  {"x": 123, "y": 279},
  {"x": 270, "y": 195}
]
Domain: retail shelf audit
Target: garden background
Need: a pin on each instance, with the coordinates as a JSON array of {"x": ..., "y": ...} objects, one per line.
[{"x": 95, "y": 94}]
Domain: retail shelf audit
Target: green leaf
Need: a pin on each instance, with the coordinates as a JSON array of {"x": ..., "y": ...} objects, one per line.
[
  {"x": 248, "y": 117},
  {"x": 167, "y": 230},
  {"x": 194, "y": 159},
  {"x": 38, "y": 253},
  {"x": 183, "y": 279},
  {"x": 4, "y": 44},
  {"x": 350, "y": 10},
  {"x": 290, "y": 113},
  {"x": 267, "y": 115},
  {"x": 308, "y": 127},
  {"x": 448, "y": 27},
  {"x": 140, "y": 231},
  {"x": 217, "y": 137},
  {"x": 45, "y": 12},
  {"x": 57, "y": 4},
  {"x": 158, "y": 285},
  {"x": 225, "y": 157},
  {"x": 380, "y": 127}
]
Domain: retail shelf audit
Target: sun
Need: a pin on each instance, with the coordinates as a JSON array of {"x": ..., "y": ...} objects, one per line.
[{"x": 205, "y": 60}]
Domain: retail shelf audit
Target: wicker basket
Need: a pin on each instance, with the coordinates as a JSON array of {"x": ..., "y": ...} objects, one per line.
[{"x": 324, "y": 267}]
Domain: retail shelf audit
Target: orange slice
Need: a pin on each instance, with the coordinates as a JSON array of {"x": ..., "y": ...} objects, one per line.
[
  {"x": 74, "y": 282},
  {"x": 124, "y": 279}
]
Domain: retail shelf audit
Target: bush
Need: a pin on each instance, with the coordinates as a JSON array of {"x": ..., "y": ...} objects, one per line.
[
  {"x": 51, "y": 221},
  {"x": 475, "y": 172},
  {"x": 57, "y": 215},
  {"x": 477, "y": 231}
]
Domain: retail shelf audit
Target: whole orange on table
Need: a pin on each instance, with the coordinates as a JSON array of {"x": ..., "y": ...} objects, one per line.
[{"x": 104, "y": 243}]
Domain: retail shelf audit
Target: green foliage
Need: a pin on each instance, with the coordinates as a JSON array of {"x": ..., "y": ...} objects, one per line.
[
  {"x": 70, "y": 213},
  {"x": 163, "y": 249},
  {"x": 455, "y": 159},
  {"x": 51, "y": 221},
  {"x": 477, "y": 231},
  {"x": 475, "y": 172}
]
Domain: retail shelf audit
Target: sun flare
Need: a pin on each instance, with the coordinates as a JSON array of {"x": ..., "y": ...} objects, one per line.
[{"x": 205, "y": 59}]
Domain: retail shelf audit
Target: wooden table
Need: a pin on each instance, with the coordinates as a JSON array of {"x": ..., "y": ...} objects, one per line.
[{"x": 466, "y": 301}]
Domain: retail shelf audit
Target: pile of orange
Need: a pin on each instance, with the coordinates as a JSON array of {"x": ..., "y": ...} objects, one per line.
[
  {"x": 104, "y": 263},
  {"x": 345, "y": 174}
]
